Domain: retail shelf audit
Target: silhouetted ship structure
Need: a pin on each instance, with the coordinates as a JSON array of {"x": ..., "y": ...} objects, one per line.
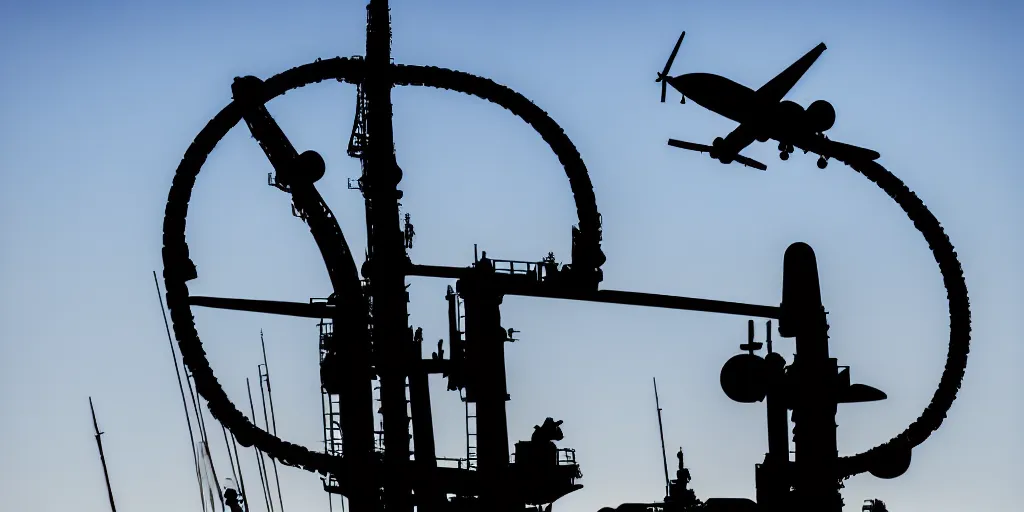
[{"x": 371, "y": 358}]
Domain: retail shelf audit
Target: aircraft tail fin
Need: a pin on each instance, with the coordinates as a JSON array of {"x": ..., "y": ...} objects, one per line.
[{"x": 702, "y": 148}]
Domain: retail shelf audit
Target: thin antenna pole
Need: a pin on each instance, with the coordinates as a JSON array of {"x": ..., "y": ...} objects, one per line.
[
  {"x": 103, "y": 460},
  {"x": 206, "y": 478},
  {"x": 270, "y": 397},
  {"x": 231, "y": 459},
  {"x": 213, "y": 469},
  {"x": 204, "y": 439},
  {"x": 273, "y": 419},
  {"x": 259, "y": 455},
  {"x": 664, "y": 455},
  {"x": 199, "y": 425},
  {"x": 181, "y": 388},
  {"x": 241, "y": 479},
  {"x": 266, "y": 424}
]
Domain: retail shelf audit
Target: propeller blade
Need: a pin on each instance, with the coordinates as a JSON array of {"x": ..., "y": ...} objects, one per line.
[
  {"x": 672, "y": 57},
  {"x": 663, "y": 76}
]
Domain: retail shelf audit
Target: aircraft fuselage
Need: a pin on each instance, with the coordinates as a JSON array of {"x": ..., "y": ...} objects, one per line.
[
  {"x": 769, "y": 119},
  {"x": 719, "y": 95}
]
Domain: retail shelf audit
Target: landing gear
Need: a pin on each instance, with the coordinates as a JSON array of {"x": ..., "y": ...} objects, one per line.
[
  {"x": 822, "y": 163},
  {"x": 785, "y": 150}
]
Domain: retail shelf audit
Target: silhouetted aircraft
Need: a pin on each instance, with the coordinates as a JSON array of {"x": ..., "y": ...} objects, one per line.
[{"x": 762, "y": 114}]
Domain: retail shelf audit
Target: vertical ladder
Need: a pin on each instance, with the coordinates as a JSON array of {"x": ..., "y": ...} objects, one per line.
[
  {"x": 471, "y": 440},
  {"x": 331, "y": 406},
  {"x": 332, "y": 424},
  {"x": 408, "y": 414},
  {"x": 470, "y": 433},
  {"x": 357, "y": 140},
  {"x": 378, "y": 434},
  {"x": 331, "y": 403}
]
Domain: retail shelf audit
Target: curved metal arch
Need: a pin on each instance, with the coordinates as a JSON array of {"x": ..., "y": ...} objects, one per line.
[
  {"x": 178, "y": 267},
  {"x": 959, "y": 319},
  {"x": 589, "y": 255}
]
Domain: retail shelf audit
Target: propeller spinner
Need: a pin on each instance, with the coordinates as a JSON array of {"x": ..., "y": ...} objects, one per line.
[{"x": 663, "y": 76}]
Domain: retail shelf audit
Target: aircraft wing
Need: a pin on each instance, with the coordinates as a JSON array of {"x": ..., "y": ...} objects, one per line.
[
  {"x": 702, "y": 148},
  {"x": 750, "y": 162},
  {"x": 778, "y": 87},
  {"x": 821, "y": 145},
  {"x": 732, "y": 144}
]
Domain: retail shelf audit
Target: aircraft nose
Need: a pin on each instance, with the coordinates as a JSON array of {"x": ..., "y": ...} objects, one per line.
[{"x": 681, "y": 83}]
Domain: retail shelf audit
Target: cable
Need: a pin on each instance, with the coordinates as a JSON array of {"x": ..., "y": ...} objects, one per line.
[
  {"x": 181, "y": 388},
  {"x": 260, "y": 463},
  {"x": 241, "y": 478}
]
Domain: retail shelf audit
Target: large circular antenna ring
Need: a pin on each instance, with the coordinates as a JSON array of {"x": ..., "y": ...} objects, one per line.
[
  {"x": 959, "y": 319},
  {"x": 179, "y": 269}
]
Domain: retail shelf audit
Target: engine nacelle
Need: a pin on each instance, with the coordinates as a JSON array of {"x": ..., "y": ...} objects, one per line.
[
  {"x": 715, "y": 146},
  {"x": 791, "y": 111},
  {"x": 791, "y": 117},
  {"x": 821, "y": 116}
]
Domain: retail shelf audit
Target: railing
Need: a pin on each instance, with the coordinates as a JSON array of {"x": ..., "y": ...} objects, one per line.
[
  {"x": 457, "y": 463},
  {"x": 533, "y": 270},
  {"x": 566, "y": 457}
]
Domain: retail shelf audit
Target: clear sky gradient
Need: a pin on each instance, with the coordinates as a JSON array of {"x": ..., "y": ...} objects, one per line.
[{"x": 99, "y": 100}]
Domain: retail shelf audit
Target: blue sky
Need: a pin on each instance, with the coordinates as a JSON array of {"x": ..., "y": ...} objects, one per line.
[{"x": 100, "y": 99}]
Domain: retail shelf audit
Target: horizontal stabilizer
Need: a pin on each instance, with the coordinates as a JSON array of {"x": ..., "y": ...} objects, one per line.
[
  {"x": 848, "y": 151},
  {"x": 701, "y": 148},
  {"x": 750, "y": 162}
]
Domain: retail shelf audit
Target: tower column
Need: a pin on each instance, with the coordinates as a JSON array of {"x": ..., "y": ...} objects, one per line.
[
  {"x": 486, "y": 386},
  {"x": 816, "y": 482}
]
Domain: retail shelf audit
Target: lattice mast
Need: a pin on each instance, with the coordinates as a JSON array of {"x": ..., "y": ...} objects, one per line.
[
  {"x": 393, "y": 346},
  {"x": 661, "y": 432}
]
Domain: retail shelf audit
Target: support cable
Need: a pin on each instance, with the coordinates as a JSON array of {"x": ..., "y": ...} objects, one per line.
[{"x": 181, "y": 388}]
